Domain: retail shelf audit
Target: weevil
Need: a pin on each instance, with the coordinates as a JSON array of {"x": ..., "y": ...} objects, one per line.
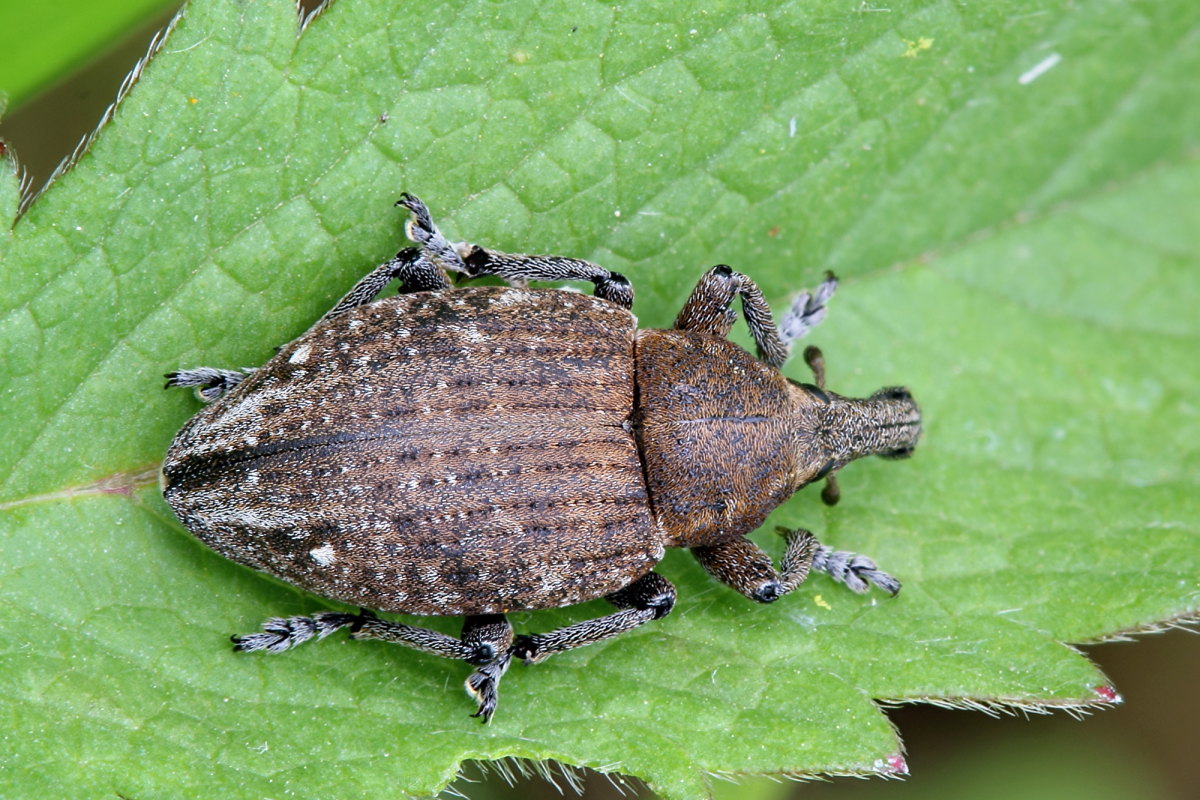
[{"x": 480, "y": 450}]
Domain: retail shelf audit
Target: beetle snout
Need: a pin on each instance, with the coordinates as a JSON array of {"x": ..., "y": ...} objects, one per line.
[{"x": 903, "y": 417}]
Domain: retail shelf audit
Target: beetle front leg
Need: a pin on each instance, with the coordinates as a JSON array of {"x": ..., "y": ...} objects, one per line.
[
  {"x": 649, "y": 597},
  {"x": 742, "y": 565},
  {"x": 710, "y": 309}
]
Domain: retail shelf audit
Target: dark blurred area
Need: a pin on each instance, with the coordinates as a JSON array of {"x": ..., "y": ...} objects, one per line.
[{"x": 1143, "y": 749}]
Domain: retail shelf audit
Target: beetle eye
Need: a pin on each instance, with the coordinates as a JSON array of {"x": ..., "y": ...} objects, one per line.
[
  {"x": 898, "y": 453},
  {"x": 893, "y": 393}
]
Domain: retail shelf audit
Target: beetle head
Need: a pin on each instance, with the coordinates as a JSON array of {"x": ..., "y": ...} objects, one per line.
[{"x": 832, "y": 431}]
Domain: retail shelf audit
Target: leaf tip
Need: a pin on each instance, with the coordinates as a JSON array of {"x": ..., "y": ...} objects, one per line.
[
  {"x": 894, "y": 765},
  {"x": 1108, "y": 694}
]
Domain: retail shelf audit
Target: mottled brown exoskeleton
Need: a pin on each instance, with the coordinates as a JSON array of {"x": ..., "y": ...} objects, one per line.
[{"x": 476, "y": 451}]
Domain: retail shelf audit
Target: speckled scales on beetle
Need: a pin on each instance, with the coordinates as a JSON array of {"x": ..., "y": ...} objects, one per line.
[{"x": 438, "y": 401}]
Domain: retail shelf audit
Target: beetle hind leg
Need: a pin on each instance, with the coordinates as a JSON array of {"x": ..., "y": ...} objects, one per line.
[
  {"x": 210, "y": 383},
  {"x": 415, "y": 272},
  {"x": 284, "y": 633}
]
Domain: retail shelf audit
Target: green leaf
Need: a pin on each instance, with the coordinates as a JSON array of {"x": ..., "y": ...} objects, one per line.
[{"x": 1009, "y": 191}]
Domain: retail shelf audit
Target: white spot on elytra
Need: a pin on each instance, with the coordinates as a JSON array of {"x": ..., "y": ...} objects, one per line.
[
  {"x": 301, "y": 354},
  {"x": 323, "y": 555}
]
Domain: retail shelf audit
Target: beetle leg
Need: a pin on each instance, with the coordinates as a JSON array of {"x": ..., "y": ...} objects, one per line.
[
  {"x": 486, "y": 642},
  {"x": 419, "y": 269},
  {"x": 210, "y": 383},
  {"x": 649, "y": 597},
  {"x": 832, "y": 493},
  {"x": 856, "y": 571},
  {"x": 710, "y": 309},
  {"x": 742, "y": 565},
  {"x": 518, "y": 267},
  {"x": 435, "y": 248},
  {"x": 415, "y": 272},
  {"x": 816, "y": 362},
  {"x": 283, "y": 633},
  {"x": 807, "y": 310},
  {"x": 474, "y": 261}
]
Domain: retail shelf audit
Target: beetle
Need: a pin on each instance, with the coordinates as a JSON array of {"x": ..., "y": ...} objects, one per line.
[{"x": 476, "y": 451}]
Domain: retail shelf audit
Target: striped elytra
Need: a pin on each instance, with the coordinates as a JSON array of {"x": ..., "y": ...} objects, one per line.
[{"x": 432, "y": 453}]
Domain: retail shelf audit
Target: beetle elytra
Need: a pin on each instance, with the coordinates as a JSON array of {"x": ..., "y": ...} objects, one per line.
[{"x": 476, "y": 451}]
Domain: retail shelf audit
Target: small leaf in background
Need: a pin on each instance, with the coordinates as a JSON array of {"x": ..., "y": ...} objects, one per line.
[{"x": 1009, "y": 192}]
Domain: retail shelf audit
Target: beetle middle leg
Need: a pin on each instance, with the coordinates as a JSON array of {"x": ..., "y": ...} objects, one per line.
[
  {"x": 486, "y": 642},
  {"x": 419, "y": 269},
  {"x": 648, "y": 598},
  {"x": 710, "y": 309},
  {"x": 475, "y": 261},
  {"x": 611, "y": 286},
  {"x": 742, "y": 565}
]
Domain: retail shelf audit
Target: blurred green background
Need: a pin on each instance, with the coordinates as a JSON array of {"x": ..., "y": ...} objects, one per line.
[{"x": 61, "y": 65}]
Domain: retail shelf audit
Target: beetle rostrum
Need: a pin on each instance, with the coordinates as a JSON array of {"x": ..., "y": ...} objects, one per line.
[{"x": 475, "y": 451}]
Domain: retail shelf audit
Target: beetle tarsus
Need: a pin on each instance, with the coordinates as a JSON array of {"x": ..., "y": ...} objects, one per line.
[
  {"x": 283, "y": 633},
  {"x": 806, "y": 312},
  {"x": 434, "y": 246},
  {"x": 210, "y": 383},
  {"x": 856, "y": 571},
  {"x": 484, "y": 683}
]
